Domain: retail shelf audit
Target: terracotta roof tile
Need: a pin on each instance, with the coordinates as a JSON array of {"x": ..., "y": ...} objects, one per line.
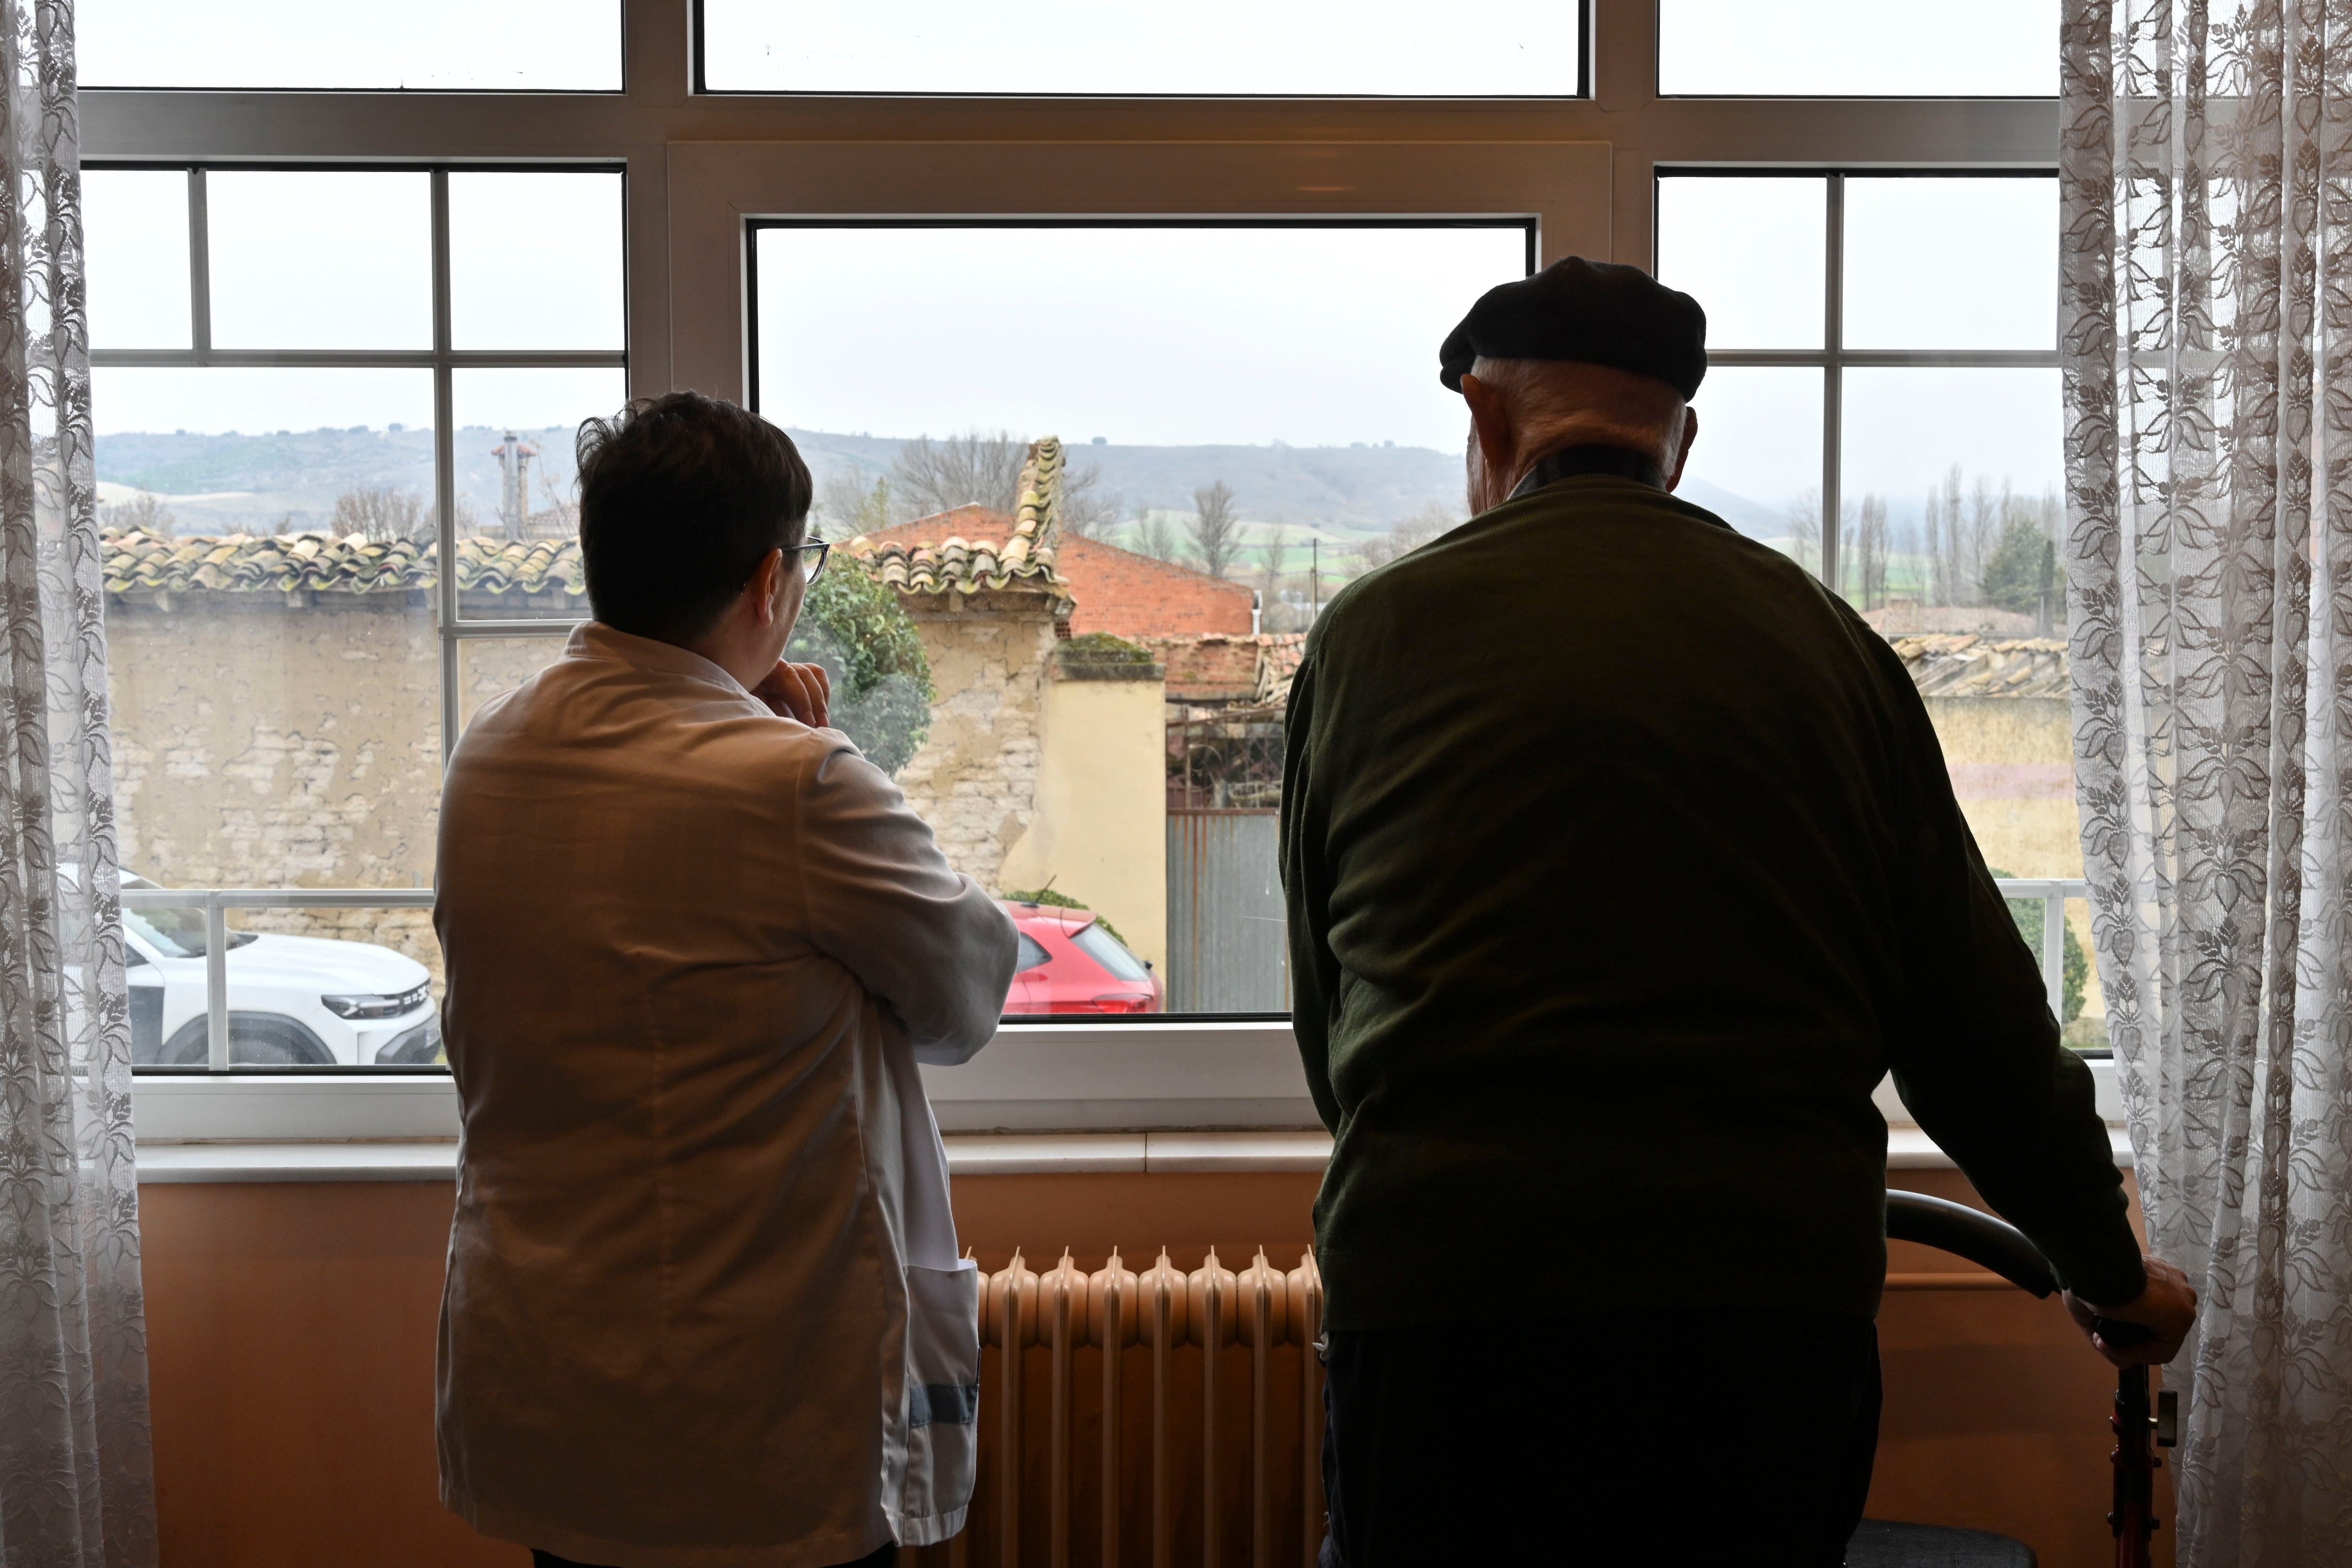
[
  {"x": 324, "y": 563},
  {"x": 1962, "y": 666},
  {"x": 1022, "y": 559}
]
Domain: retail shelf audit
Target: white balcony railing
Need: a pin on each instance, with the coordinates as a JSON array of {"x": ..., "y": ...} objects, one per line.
[
  {"x": 216, "y": 902},
  {"x": 2054, "y": 892}
]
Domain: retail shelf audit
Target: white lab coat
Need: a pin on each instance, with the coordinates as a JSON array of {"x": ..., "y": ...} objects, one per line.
[{"x": 704, "y": 1308}]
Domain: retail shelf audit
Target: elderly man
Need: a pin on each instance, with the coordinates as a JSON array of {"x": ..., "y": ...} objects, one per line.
[
  {"x": 704, "y": 1308},
  {"x": 1621, "y": 866}
]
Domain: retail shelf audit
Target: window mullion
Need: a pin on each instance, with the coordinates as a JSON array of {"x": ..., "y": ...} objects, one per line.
[
  {"x": 1833, "y": 379},
  {"x": 200, "y": 266},
  {"x": 444, "y": 466}
]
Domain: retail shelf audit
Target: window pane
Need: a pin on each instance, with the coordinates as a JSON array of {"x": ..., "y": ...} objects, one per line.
[
  {"x": 490, "y": 667},
  {"x": 1912, "y": 283},
  {"x": 1248, "y": 416},
  {"x": 329, "y": 260},
  {"x": 1757, "y": 463},
  {"x": 1858, "y": 48},
  {"x": 535, "y": 261},
  {"x": 1954, "y": 482},
  {"x": 274, "y": 673},
  {"x": 501, "y": 46},
  {"x": 1378, "y": 48},
  {"x": 1750, "y": 251},
  {"x": 135, "y": 227},
  {"x": 517, "y": 504}
]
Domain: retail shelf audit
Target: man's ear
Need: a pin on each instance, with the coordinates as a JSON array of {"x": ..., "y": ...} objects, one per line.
[
  {"x": 1690, "y": 439},
  {"x": 1498, "y": 444},
  {"x": 766, "y": 587}
]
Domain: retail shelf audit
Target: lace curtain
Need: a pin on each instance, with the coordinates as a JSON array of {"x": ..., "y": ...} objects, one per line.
[
  {"x": 2206, "y": 312},
  {"x": 75, "y": 1488}
]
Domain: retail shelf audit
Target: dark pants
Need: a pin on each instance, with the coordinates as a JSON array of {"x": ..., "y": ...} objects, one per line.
[
  {"x": 881, "y": 1557},
  {"x": 1606, "y": 1438}
]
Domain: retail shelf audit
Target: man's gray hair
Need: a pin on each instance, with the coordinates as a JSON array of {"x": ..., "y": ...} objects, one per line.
[{"x": 1563, "y": 402}]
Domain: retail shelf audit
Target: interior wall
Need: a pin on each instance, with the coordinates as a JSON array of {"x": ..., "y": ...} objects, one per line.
[{"x": 291, "y": 1334}]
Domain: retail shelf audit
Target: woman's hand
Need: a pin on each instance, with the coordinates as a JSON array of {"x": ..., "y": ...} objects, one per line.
[{"x": 797, "y": 692}]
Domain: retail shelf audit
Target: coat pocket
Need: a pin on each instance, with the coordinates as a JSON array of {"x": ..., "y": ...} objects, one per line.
[{"x": 942, "y": 1390}]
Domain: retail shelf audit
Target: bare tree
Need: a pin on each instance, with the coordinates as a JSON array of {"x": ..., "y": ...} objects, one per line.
[
  {"x": 1152, "y": 534},
  {"x": 847, "y": 506},
  {"x": 142, "y": 513},
  {"x": 1407, "y": 535},
  {"x": 1086, "y": 511},
  {"x": 1216, "y": 531},
  {"x": 1805, "y": 530},
  {"x": 975, "y": 467},
  {"x": 1862, "y": 554},
  {"x": 383, "y": 514},
  {"x": 559, "y": 518}
]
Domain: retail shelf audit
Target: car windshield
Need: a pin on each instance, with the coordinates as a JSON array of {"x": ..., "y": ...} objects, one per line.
[
  {"x": 1032, "y": 954},
  {"x": 1110, "y": 953},
  {"x": 175, "y": 933}
]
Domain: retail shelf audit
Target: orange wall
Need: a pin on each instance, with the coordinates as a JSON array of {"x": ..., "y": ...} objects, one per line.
[{"x": 291, "y": 1331}]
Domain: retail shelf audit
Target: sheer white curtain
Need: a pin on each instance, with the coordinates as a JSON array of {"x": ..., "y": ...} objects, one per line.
[
  {"x": 2205, "y": 318},
  {"x": 75, "y": 1488}
]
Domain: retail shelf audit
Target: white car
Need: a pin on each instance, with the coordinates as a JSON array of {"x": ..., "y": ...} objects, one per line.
[{"x": 293, "y": 1001}]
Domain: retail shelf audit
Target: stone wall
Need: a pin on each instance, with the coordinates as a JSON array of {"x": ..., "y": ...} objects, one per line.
[
  {"x": 975, "y": 778},
  {"x": 267, "y": 740}
]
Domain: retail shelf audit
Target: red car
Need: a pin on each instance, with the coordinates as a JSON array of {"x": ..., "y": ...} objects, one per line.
[{"x": 1069, "y": 964}]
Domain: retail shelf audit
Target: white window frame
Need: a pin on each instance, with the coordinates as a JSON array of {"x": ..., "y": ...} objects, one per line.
[{"x": 698, "y": 166}]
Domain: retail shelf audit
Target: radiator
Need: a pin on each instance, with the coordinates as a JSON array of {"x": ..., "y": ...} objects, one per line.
[{"x": 1165, "y": 1418}]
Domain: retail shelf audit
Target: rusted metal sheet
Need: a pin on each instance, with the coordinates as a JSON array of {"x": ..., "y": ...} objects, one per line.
[{"x": 1227, "y": 949}]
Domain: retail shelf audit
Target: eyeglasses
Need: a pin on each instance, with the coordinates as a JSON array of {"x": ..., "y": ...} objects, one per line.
[{"x": 812, "y": 556}]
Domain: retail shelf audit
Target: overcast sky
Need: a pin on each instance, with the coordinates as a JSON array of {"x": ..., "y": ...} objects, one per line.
[{"x": 1151, "y": 336}]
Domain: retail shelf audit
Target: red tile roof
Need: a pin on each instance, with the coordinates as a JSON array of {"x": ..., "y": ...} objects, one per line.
[{"x": 1133, "y": 595}]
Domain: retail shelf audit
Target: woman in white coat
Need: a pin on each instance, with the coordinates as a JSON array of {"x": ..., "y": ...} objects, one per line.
[{"x": 704, "y": 1308}]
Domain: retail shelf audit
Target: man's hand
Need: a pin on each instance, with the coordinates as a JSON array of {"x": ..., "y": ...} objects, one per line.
[
  {"x": 797, "y": 692},
  {"x": 2166, "y": 1308}
]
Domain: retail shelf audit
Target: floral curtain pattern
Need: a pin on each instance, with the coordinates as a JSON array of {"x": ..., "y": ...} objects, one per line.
[
  {"x": 2205, "y": 319},
  {"x": 76, "y": 1485}
]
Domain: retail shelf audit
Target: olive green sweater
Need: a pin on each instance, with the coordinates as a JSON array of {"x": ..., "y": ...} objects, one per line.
[{"x": 1621, "y": 863}]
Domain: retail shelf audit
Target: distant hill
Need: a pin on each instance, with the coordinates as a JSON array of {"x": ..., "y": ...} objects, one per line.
[
  {"x": 261, "y": 483},
  {"x": 251, "y": 483},
  {"x": 1344, "y": 491}
]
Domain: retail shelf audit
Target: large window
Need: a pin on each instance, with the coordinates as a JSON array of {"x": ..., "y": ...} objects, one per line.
[
  {"x": 311, "y": 387},
  {"x": 1210, "y": 425},
  {"x": 1883, "y": 404},
  {"x": 1858, "y": 48},
  {"x": 1532, "y": 48},
  {"x": 1023, "y": 282},
  {"x": 490, "y": 45}
]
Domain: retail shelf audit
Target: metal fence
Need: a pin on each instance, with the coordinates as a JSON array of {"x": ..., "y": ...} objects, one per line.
[
  {"x": 1227, "y": 951},
  {"x": 215, "y": 903}
]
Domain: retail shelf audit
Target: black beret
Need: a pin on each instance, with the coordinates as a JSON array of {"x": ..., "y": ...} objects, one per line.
[{"x": 1599, "y": 313}]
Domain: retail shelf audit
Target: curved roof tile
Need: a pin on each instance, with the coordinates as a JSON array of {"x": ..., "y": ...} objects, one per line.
[
  {"x": 324, "y": 563},
  {"x": 1023, "y": 561}
]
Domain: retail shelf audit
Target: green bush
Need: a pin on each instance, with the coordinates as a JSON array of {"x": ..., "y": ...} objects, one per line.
[{"x": 857, "y": 630}]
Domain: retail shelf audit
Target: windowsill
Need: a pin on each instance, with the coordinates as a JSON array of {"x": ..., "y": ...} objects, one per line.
[
  {"x": 1043, "y": 1098},
  {"x": 989, "y": 1154}
]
